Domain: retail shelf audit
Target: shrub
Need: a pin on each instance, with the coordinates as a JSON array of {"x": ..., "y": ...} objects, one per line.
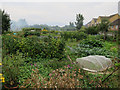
[
  {"x": 31, "y": 33},
  {"x": 83, "y": 29},
  {"x": 52, "y": 31},
  {"x": 10, "y": 44},
  {"x": 29, "y": 29},
  {"x": 33, "y": 46},
  {"x": 92, "y": 30},
  {"x": 96, "y": 37},
  {"x": 74, "y": 35},
  {"x": 109, "y": 38},
  {"x": 92, "y": 43},
  {"x": 44, "y": 32},
  {"x": 11, "y": 69}
]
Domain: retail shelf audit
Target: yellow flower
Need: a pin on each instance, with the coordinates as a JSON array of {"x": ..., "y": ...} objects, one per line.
[
  {"x": 3, "y": 79},
  {"x": 0, "y": 63}
]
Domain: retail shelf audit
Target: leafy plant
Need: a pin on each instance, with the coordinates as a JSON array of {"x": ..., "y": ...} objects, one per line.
[
  {"x": 9, "y": 44},
  {"x": 92, "y": 47},
  {"x": 34, "y": 47},
  {"x": 92, "y": 30},
  {"x": 29, "y": 29},
  {"x": 11, "y": 69},
  {"x": 31, "y": 33},
  {"x": 92, "y": 43},
  {"x": 74, "y": 35}
]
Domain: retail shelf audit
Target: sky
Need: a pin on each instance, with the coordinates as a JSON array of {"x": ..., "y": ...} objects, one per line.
[{"x": 57, "y": 13}]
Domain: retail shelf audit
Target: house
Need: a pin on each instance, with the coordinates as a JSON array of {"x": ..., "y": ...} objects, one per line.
[
  {"x": 93, "y": 22},
  {"x": 114, "y": 21},
  {"x": 100, "y": 18},
  {"x": 115, "y": 25},
  {"x": 88, "y": 24}
]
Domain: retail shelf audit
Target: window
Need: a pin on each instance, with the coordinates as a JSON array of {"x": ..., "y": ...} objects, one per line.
[{"x": 116, "y": 26}]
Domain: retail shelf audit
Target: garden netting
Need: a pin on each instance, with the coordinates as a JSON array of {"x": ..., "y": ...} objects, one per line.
[{"x": 94, "y": 63}]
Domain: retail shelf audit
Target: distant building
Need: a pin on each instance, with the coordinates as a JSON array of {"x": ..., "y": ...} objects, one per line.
[
  {"x": 113, "y": 19},
  {"x": 93, "y": 22},
  {"x": 100, "y": 18},
  {"x": 88, "y": 24},
  {"x": 114, "y": 22}
]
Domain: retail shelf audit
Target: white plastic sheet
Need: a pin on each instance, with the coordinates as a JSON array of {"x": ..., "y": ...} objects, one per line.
[{"x": 94, "y": 63}]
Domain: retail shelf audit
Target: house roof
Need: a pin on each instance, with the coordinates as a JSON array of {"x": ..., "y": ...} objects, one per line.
[
  {"x": 86, "y": 25},
  {"x": 116, "y": 22},
  {"x": 113, "y": 15},
  {"x": 95, "y": 19},
  {"x": 104, "y": 17}
]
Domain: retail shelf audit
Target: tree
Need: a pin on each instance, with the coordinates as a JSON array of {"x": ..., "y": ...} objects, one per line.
[
  {"x": 71, "y": 24},
  {"x": 79, "y": 19},
  {"x": 93, "y": 30},
  {"x": 5, "y": 21},
  {"x": 103, "y": 27}
]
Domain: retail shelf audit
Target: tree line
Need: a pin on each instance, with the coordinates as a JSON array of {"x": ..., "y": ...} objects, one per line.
[{"x": 5, "y": 24}]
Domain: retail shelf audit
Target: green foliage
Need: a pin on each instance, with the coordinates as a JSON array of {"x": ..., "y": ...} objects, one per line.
[
  {"x": 82, "y": 29},
  {"x": 31, "y": 33},
  {"x": 55, "y": 63},
  {"x": 29, "y": 29},
  {"x": 5, "y": 18},
  {"x": 103, "y": 27},
  {"x": 9, "y": 44},
  {"x": 34, "y": 47},
  {"x": 92, "y": 30},
  {"x": 79, "y": 19},
  {"x": 11, "y": 69},
  {"x": 85, "y": 51},
  {"x": 96, "y": 37},
  {"x": 44, "y": 32},
  {"x": 76, "y": 77},
  {"x": 74, "y": 35},
  {"x": 52, "y": 31},
  {"x": 27, "y": 69},
  {"x": 92, "y": 47},
  {"x": 92, "y": 43}
]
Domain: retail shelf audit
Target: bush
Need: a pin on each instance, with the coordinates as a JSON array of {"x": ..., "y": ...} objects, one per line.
[
  {"x": 29, "y": 29},
  {"x": 44, "y": 32},
  {"x": 74, "y": 35},
  {"x": 96, "y": 37},
  {"x": 92, "y": 30},
  {"x": 10, "y": 44},
  {"x": 109, "y": 38},
  {"x": 31, "y": 33},
  {"x": 52, "y": 31},
  {"x": 11, "y": 69},
  {"x": 83, "y": 29},
  {"x": 92, "y": 43},
  {"x": 34, "y": 47}
]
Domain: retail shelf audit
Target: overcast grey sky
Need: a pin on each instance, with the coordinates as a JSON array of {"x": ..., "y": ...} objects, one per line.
[{"x": 58, "y": 13}]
